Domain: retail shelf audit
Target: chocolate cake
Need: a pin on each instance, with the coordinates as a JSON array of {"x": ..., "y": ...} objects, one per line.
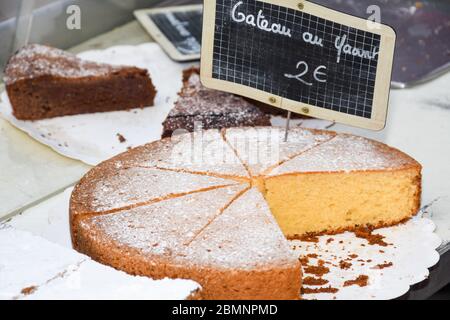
[
  {"x": 211, "y": 109},
  {"x": 44, "y": 82}
]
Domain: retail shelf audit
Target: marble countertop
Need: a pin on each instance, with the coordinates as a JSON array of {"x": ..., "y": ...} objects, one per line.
[{"x": 419, "y": 124}]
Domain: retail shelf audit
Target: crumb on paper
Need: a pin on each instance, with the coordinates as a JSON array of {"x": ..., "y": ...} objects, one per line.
[
  {"x": 344, "y": 265},
  {"x": 121, "y": 138},
  {"x": 28, "y": 290},
  {"x": 317, "y": 270},
  {"x": 319, "y": 290},
  {"x": 384, "y": 265},
  {"x": 373, "y": 239},
  {"x": 362, "y": 281},
  {"x": 309, "y": 238},
  {"x": 304, "y": 260},
  {"x": 311, "y": 281}
]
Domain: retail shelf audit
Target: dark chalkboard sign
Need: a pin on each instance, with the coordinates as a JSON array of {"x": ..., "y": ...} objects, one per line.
[
  {"x": 177, "y": 29},
  {"x": 301, "y": 57}
]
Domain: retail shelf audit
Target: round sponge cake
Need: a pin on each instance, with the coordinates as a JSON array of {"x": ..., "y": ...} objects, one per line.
[{"x": 218, "y": 207}]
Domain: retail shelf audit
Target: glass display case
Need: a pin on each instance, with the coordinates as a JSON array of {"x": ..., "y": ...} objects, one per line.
[
  {"x": 54, "y": 22},
  {"x": 42, "y": 161}
]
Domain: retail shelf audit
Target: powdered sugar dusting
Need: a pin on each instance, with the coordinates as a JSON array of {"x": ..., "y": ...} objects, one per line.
[
  {"x": 203, "y": 151},
  {"x": 245, "y": 236},
  {"x": 163, "y": 228},
  {"x": 36, "y": 60},
  {"x": 261, "y": 148},
  {"x": 347, "y": 153},
  {"x": 118, "y": 188}
]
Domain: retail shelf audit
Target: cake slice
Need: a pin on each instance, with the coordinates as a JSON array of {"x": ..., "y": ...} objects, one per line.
[
  {"x": 158, "y": 230},
  {"x": 225, "y": 239},
  {"x": 123, "y": 188},
  {"x": 44, "y": 82},
  {"x": 345, "y": 183},
  {"x": 204, "y": 152},
  {"x": 243, "y": 254},
  {"x": 155, "y": 237},
  {"x": 209, "y": 109},
  {"x": 262, "y": 149}
]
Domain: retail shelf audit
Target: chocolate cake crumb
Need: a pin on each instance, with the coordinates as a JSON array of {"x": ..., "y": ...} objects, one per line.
[
  {"x": 330, "y": 240},
  {"x": 361, "y": 281},
  {"x": 319, "y": 290},
  {"x": 311, "y": 281},
  {"x": 121, "y": 138},
  {"x": 28, "y": 290},
  {"x": 344, "y": 265},
  {"x": 373, "y": 239}
]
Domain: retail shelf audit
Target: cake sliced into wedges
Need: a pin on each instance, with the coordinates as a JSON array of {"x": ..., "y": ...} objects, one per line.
[
  {"x": 243, "y": 254},
  {"x": 209, "y": 109},
  {"x": 111, "y": 187},
  {"x": 204, "y": 152},
  {"x": 236, "y": 244},
  {"x": 44, "y": 82},
  {"x": 262, "y": 149}
]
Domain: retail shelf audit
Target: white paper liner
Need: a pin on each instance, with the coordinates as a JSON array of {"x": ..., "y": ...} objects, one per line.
[
  {"x": 412, "y": 252},
  {"x": 93, "y": 138},
  {"x": 34, "y": 268}
]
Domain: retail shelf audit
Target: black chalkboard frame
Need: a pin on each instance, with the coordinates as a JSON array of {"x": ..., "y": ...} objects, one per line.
[
  {"x": 143, "y": 16},
  {"x": 377, "y": 121}
]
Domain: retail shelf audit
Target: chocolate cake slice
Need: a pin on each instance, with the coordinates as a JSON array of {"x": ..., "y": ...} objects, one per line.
[
  {"x": 44, "y": 82},
  {"x": 211, "y": 109}
]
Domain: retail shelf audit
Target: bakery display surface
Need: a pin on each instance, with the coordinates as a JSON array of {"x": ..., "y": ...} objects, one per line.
[
  {"x": 222, "y": 222},
  {"x": 96, "y": 137},
  {"x": 412, "y": 246},
  {"x": 44, "y": 82}
]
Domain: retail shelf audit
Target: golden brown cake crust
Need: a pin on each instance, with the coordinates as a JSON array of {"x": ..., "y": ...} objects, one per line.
[{"x": 217, "y": 284}]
